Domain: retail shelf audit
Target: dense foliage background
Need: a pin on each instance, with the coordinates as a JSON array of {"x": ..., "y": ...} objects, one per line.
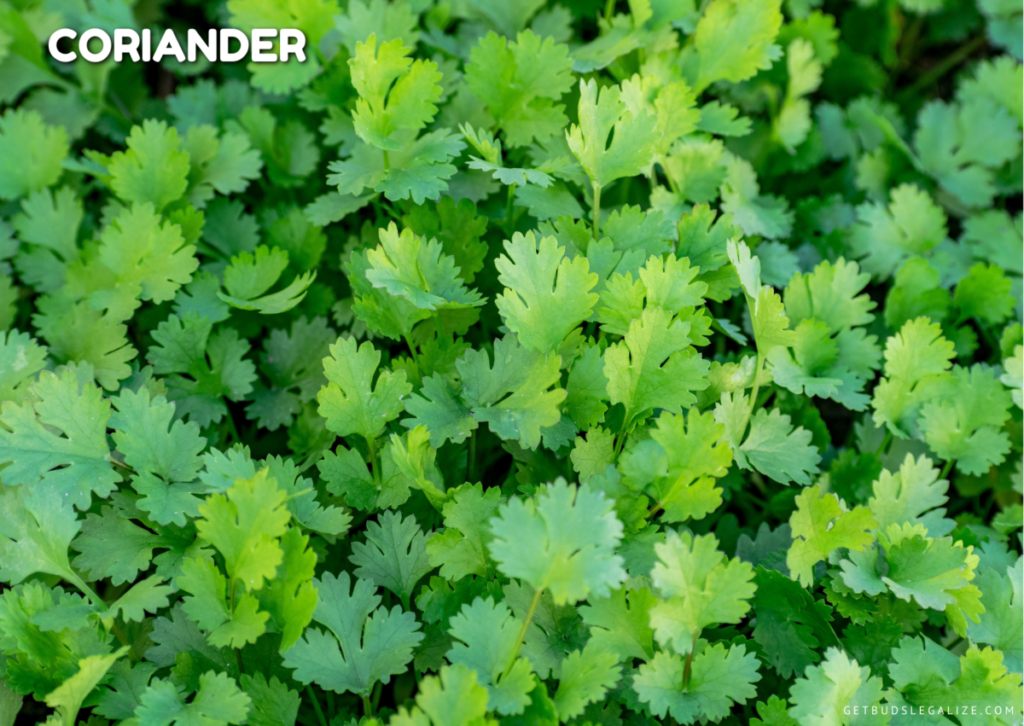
[{"x": 511, "y": 362}]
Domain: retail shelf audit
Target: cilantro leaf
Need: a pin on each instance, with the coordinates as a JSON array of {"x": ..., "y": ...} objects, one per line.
[
  {"x": 351, "y": 402},
  {"x": 654, "y": 366},
  {"x": 520, "y": 83},
  {"x": 820, "y": 526},
  {"x": 698, "y": 586},
  {"x": 58, "y": 444},
  {"x": 539, "y": 279},
  {"x": 366, "y": 643},
  {"x": 570, "y": 548},
  {"x": 718, "y": 679},
  {"x": 394, "y": 555}
]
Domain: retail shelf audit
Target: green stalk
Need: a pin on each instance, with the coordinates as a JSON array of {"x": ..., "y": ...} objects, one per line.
[
  {"x": 946, "y": 469},
  {"x": 78, "y": 582},
  {"x": 371, "y": 443},
  {"x": 689, "y": 662},
  {"x": 471, "y": 458},
  {"x": 316, "y": 705},
  {"x": 387, "y": 160},
  {"x": 367, "y": 707},
  {"x": 522, "y": 631},
  {"x": 510, "y": 225},
  {"x": 232, "y": 429},
  {"x": 753, "y": 393},
  {"x": 620, "y": 440},
  {"x": 412, "y": 349},
  {"x": 884, "y": 448},
  {"x": 597, "y": 211},
  {"x": 945, "y": 65}
]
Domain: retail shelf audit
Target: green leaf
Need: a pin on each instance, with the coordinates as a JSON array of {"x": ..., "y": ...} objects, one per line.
[
  {"x": 601, "y": 114},
  {"x": 218, "y": 702},
  {"x": 366, "y": 643},
  {"x": 395, "y": 93},
  {"x": 694, "y": 453},
  {"x": 487, "y": 635},
  {"x": 21, "y": 358},
  {"x": 698, "y": 586},
  {"x": 153, "y": 169},
  {"x": 839, "y": 685},
  {"x": 351, "y": 402},
  {"x": 151, "y": 440},
  {"x": 546, "y": 295},
  {"x": 916, "y": 361},
  {"x": 927, "y": 674},
  {"x": 289, "y": 597},
  {"x": 460, "y": 549},
  {"x": 911, "y": 495},
  {"x": 1001, "y": 624},
  {"x": 884, "y": 237},
  {"x": 76, "y": 332},
  {"x": 654, "y": 367},
  {"x": 59, "y": 445},
  {"x": 67, "y": 698},
  {"x": 244, "y": 524},
  {"x": 719, "y": 678},
  {"x": 586, "y": 392},
  {"x": 957, "y": 145},
  {"x": 149, "y": 595},
  {"x": 563, "y": 541},
  {"x": 520, "y": 83},
  {"x": 394, "y": 554},
  {"x": 214, "y": 364},
  {"x": 774, "y": 448},
  {"x": 984, "y": 294},
  {"x": 113, "y": 546},
  {"x": 273, "y": 704},
  {"x": 791, "y": 624},
  {"x": 410, "y": 267},
  {"x": 32, "y": 153},
  {"x": 513, "y": 395},
  {"x": 586, "y": 677},
  {"x": 756, "y": 213},
  {"x": 620, "y": 623},
  {"x": 820, "y": 526},
  {"x": 734, "y": 40}
]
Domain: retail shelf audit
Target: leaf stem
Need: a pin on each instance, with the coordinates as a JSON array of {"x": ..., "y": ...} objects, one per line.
[
  {"x": 471, "y": 458},
  {"x": 945, "y": 65},
  {"x": 510, "y": 226},
  {"x": 609, "y": 8},
  {"x": 522, "y": 631},
  {"x": 75, "y": 579},
  {"x": 121, "y": 465},
  {"x": 371, "y": 444},
  {"x": 232, "y": 429},
  {"x": 620, "y": 440},
  {"x": 946, "y": 469},
  {"x": 316, "y": 705},
  {"x": 412, "y": 349},
  {"x": 754, "y": 390},
  {"x": 597, "y": 211},
  {"x": 689, "y": 662},
  {"x": 367, "y": 707},
  {"x": 387, "y": 160},
  {"x": 883, "y": 449}
]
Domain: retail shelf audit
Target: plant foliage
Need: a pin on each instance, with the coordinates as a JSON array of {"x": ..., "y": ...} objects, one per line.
[{"x": 514, "y": 363}]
